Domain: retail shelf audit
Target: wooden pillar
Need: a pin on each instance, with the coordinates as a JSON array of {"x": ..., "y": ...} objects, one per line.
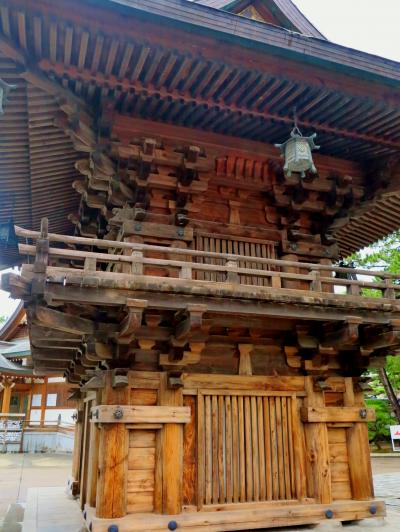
[
  {"x": 43, "y": 402},
  {"x": 172, "y": 451},
  {"x": 93, "y": 461},
  {"x": 113, "y": 457},
  {"x": 76, "y": 457},
  {"x": 5, "y": 405},
  {"x": 362, "y": 487},
  {"x": 318, "y": 447}
]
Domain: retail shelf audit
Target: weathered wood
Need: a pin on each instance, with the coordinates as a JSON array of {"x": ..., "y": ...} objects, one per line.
[
  {"x": 172, "y": 450},
  {"x": 140, "y": 414},
  {"x": 341, "y": 414}
]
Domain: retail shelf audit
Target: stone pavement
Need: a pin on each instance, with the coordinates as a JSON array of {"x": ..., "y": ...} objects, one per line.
[{"x": 18, "y": 472}]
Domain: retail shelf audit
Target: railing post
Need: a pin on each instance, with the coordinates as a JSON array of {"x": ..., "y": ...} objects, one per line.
[
  {"x": 185, "y": 272},
  {"x": 316, "y": 285},
  {"x": 353, "y": 289},
  {"x": 232, "y": 276},
  {"x": 389, "y": 292},
  {"x": 137, "y": 262}
]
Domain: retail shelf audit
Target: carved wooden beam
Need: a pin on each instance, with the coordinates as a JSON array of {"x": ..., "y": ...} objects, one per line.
[{"x": 190, "y": 321}]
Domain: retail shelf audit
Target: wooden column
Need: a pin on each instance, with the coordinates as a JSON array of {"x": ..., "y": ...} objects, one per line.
[
  {"x": 362, "y": 487},
  {"x": 318, "y": 448},
  {"x": 5, "y": 405},
  {"x": 43, "y": 402},
  {"x": 172, "y": 452},
  {"x": 113, "y": 457},
  {"x": 76, "y": 457},
  {"x": 93, "y": 462}
]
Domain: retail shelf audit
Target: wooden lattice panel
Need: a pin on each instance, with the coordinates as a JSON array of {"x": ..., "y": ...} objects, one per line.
[
  {"x": 246, "y": 447},
  {"x": 250, "y": 247}
]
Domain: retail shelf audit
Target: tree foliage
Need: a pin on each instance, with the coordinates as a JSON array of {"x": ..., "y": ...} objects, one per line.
[{"x": 383, "y": 256}]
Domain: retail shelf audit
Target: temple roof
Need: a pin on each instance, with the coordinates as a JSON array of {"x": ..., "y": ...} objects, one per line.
[
  {"x": 283, "y": 13},
  {"x": 191, "y": 65}
]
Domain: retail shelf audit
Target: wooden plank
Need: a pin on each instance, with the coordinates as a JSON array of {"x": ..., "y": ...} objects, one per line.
[
  {"x": 249, "y": 453},
  {"x": 250, "y": 518},
  {"x": 243, "y": 383},
  {"x": 221, "y": 446},
  {"x": 268, "y": 452},
  {"x": 140, "y": 480},
  {"x": 189, "y": 455},
  {"x": 172, "y": 450},
  {"x": 242, "y": 454},
  {"x": 144, "y": 397},
  {"x": 208, "y": 450},
  {"x": 254, "y": 445},
  {"x": 285, "y": 455},
  {"x": 261, "y": 447},
  {"x": 214, "y": 425},
  {"x": 201, "y": 452},
  {"x": 358, "y": 449},
  {"x": 141, "y": 414},
  {"x": 318, "y": 448},
  {"x": 228, "y": 449},
  {"x": 113, "y": 458},
  {"x": 341, "y": 490},
  {"x": 298, "y": 442},
  {"x": 142, "y": 438},
  {"x": 341, "y": 414},
  {"x": 280, "y": 451},
  {"x": 141, "y": 458},
  {"x": 235, "y": 450},
  {"x": 140, "y": 501}
]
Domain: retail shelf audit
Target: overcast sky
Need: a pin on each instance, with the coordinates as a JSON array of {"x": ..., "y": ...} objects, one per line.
[
  {"x": 371, "y": 26},
  {"x": 368, "y": 25}
]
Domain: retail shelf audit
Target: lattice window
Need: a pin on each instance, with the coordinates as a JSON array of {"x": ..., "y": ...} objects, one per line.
[
  {"x": 250, "y": 247},
  {"x": 245, "y": 446}
]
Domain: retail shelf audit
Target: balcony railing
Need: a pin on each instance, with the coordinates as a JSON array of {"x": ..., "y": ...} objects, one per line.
[{"x": 134, "y": 264}]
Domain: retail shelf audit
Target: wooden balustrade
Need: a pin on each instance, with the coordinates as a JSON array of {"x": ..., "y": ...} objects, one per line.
[{"x": 273, "y": 273}]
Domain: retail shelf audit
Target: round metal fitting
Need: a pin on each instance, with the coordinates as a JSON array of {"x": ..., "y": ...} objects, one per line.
[
  {"x": 172, "y": 525},
  {"x": 118, "y": 413},
  {"x": 113, "y": 528},
  {"x": 373, "y": 509},
  {"x": 180, "y": 232},
  {"x": 138, "y": 227},
  {"x": 329, "y": 514},
  {"x": 363, "y": 413}
]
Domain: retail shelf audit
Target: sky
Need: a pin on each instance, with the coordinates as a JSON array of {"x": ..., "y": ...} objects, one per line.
[{"x": 362, "y": 24}]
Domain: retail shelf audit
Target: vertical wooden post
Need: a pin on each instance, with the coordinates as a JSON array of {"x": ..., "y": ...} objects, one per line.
[
  {"x": 113, "y": 457},
  {"x": 76, "y": 457},
  {"x": 318, "y": 448},
  {"x": 172, "y": 451},
  {"x": 358, "y": 448},
  {"x": 93, "y": 462},
  {"x": 245, "y": 365},
  {"x": 43, "y": 402},
  {"x": 5, "y": 405}
]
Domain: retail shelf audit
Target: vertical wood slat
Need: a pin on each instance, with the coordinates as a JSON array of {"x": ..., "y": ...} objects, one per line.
[
  {"x": 245, "y": 451},
  {"x": 224, "y": 244}
]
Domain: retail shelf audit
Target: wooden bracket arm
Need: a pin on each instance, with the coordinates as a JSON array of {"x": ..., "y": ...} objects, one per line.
[{"x": 132, "y": 321}]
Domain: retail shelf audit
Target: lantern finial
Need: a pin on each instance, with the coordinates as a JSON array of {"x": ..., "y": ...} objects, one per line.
[{"x": 297, "y": 151}]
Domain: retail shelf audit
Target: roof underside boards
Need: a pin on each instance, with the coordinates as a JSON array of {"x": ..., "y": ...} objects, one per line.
[
  {"x": 37, "y": 160},
  {"x": 162, "y": 84},
  {"x": 285, "y": 12},
  {"x": 10, "y": 368},
  {"x": 250, "y": 95}
]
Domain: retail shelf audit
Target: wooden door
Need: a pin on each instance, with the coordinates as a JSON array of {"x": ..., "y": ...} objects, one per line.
[{"x": 245, "y": 447}]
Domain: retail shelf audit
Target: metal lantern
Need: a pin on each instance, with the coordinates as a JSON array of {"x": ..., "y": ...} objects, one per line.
[{"x": 297, "y": 153}]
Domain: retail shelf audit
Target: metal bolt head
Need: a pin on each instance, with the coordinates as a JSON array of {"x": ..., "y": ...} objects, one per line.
[
  {"x": 180, "y": 232},
  {"x": 329, "y": 514},
  {"x": 118, "y": 413},
  {"x": 172, "y": 525},
  {"x": 113, "y": 528},
  {"x": 363, "y": 413},
  {"x": 373, "y": 509}
]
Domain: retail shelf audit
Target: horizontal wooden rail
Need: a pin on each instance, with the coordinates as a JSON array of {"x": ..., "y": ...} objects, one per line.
[
  {"x": 140, "y": 414},
  {"x": 112, "y": 244}
]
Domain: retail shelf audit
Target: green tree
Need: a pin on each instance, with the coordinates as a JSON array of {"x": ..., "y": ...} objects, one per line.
[{"x": 385, "y": 382}]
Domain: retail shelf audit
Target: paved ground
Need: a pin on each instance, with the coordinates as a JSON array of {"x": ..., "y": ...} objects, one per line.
[{"x": 18, "y": 472}]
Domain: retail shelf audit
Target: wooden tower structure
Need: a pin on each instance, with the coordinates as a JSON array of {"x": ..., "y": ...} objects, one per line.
[{"x": 189, "y": 285}]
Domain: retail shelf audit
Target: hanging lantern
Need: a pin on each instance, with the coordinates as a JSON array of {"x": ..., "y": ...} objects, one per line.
[{"x": 297, "y": 152}]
